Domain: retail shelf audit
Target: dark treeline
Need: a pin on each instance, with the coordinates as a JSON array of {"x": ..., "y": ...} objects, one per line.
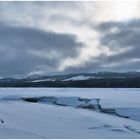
[{"x": 97, "y": 83}]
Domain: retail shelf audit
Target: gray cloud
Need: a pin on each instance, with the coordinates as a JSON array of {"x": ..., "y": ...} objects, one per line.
[
  {"x": 39, "y": 36},
  {"x": 122, "y": 40},
  {"x": 126, "y": 35},
  {"x": 122, "y": 35},
  {"x": 24, "y": 50}
]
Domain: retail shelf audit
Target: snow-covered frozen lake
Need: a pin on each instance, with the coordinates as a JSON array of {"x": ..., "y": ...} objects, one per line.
[{"x": 69, "y": 113}]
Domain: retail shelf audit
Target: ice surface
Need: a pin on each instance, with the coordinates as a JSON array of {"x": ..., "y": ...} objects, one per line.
[
  {"x": 69, "y": 101},
  {"x": 132, "y": 113},
  {"x": 40, "y": 120}
]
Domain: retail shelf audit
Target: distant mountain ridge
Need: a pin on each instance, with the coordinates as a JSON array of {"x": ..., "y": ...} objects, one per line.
[{"x": 100, "y": 79}]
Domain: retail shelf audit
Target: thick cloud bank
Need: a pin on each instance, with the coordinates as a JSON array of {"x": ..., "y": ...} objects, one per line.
[
  {"x": 68, "y": 37},
  {"x": 24, "y": 50}
]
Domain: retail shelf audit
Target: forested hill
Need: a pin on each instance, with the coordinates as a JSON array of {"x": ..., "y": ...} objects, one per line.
[{"x": 81, "y": 80}]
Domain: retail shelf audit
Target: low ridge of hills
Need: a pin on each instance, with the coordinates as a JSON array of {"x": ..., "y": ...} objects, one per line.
[{"x": 100, "y": 79}]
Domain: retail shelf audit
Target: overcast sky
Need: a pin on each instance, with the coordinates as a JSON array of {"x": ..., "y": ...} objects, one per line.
[{"x": 68, "y": 37}]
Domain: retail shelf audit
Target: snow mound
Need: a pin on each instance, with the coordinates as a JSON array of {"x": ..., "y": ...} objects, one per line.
[
  {"x": 6, "y": 133},
  {"x": 68, "y": 113},
  {"x": 75, "y": 78},
  {"x": 43, "y": 80}
]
